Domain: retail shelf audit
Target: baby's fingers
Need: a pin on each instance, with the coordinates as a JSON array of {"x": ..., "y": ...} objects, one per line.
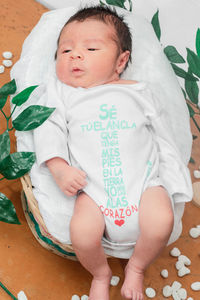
[
  {"x": 77, "y": 185},
  {"x": 71, "y": 191},
  {"x": 81, "y": 182},
  {"x": 82, "y": 173}
]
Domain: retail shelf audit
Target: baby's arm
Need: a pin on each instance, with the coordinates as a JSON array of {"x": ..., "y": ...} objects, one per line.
[{"x": 68, "y": 178}]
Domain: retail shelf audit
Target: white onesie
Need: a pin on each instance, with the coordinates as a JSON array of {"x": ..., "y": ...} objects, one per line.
[{"x": 116, "y": 134}]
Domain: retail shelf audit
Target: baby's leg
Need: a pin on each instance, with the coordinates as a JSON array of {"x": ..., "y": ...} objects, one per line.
[
  {"x": 156, "y": 224},
  {"x": 87, "y": 228}
]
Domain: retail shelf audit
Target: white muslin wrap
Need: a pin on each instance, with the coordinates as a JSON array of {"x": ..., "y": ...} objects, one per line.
[{"x": 116, "y": 133}]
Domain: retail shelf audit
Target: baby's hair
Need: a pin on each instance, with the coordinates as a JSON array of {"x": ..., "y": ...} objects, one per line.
[{"x": 109, "y": 17}]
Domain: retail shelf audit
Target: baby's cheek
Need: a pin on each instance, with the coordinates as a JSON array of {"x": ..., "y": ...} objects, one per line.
[{"x": 61, "y": 70}]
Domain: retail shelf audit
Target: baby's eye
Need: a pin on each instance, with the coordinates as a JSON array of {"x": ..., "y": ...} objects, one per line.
[
  {"x": 66, "y": 51},
  {"x": 92, "y": 49}
]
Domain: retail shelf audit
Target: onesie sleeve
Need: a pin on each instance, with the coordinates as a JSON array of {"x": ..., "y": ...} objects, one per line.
[
  {"x": 173, "y": 172},
  {"x": 50, "y": 139}
]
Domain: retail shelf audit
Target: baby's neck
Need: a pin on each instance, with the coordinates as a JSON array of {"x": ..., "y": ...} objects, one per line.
[{"x": 122, "y": 81}]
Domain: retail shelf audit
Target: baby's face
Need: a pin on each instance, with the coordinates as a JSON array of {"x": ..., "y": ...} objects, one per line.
[{"x": 87, "y": 54}]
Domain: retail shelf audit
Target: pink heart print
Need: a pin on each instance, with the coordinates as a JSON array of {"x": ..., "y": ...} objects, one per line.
[{"x": 119, "y": 222}]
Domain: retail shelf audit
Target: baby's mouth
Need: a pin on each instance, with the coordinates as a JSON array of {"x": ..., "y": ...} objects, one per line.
[{"x": 77, "y": 71}]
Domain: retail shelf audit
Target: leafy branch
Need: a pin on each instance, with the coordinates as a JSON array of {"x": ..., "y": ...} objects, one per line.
[
  {"x": 191, "y": 76},
  {"x": 15, "y": 165}
]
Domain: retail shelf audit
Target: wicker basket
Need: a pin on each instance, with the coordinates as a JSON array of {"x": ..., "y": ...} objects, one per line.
[{"x": 36, "y": 223}]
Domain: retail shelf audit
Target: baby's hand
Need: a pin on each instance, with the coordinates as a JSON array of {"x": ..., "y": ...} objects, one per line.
[{"x": 68, "y": 178}]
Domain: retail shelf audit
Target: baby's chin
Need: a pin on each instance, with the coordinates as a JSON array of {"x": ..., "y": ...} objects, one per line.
[{"x": 80, "y": 82}]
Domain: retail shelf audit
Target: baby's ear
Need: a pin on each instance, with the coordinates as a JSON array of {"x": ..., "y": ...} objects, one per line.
[{"x": 122, "y": 60}]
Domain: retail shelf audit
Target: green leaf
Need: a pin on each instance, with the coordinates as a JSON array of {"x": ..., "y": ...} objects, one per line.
[
  {"x": 184, "y": 93},
  {"x": 181, "y": 73},
  {"x": 17, "y": 164},
  {"x": 119, "y": 3},
  {"x": 4, "y": 145},
  {"x": 7, "y": 211},
  {"x": 101, "y": 3},
  {"x": 194, "y": 62},
  {"x": 23, "y": 96},
  {"x": 192, "y": 161},
  {"x": 191, "y": 110},
  {"x": 198, "y": 42},
  {"x": 156, "y": 25},
  {"x": 173, "y": 55},
  {"x": 194, "y": 137},
  {"x": 130, "y": 5},
  {"x": 6, "y": 90},
  {"x": 32, "y": 117},
  {"x": 192, "y": 90}
]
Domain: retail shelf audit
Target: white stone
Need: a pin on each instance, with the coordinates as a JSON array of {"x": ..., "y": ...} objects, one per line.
[
  {"x": 195, "y": 286},
  {"x": 176, "y": 285},
  {"x": 182, "y": 293},
  {"x": 196, "y": 174},
  {"x": 194, "y": 232},
  {"x": 185, "y": 260},
  {"x": 175, "y": 252},
  {"x": 190, "y": 298},
  {"x": 183, "y": 271},
  {"x": 7, "y": 63},
  {"x": 179, "y": 264},
  {"x": 167, "y": 291},
  {"x": 151, "y": 293},
  {"x": 84, "y": 297},
  {"x": 2, "y": 69},
  {"x": 114, "y": 280},
  {"x": 175, "y": 295},
  {"x": 164, "y": 273},
  {"x": 75, "y": 297},
  {"x": 7, "y": 54},
  {"x": 21, "y": 296}
]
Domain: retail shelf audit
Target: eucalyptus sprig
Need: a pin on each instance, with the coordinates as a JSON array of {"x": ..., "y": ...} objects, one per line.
[{"x": 15, "y": 165}]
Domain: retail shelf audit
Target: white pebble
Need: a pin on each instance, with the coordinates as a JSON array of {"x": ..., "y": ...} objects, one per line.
[
  {"x": 21, "y": 296},
  {"x": 150, "y": 292},
  {"x": 167, "y": 291},
  {"x": 114, "y": 280},
  {"x": 164, "y": 273},
  {"x": 75, "y": 297},
  {"x": 84, "y": 297},
  {"x": 195, "y": 286},
  {"x": 194, "y": 232},
  {"x": 179, "y": 264},
  {"x": 175, "y": 252},
  {"x": 185, "y": 260},
  {"x": 7, "y": 55},
  {"x": 196, "y": 174},
  {"x": 182, "y": 293},
  {"x": 190, "y": 298},
  {"x": 7, "y": 63},
  {"x": 175, "y": 295},
  {"x": 2, "y": 69},
  {"x": 176, "y": 285},
  {"x": 183, "y": 271}
]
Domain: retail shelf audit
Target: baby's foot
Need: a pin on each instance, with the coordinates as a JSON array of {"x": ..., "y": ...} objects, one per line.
[
  {"x": 133, "y": 283},
  {"x": 99, "y": 289}
]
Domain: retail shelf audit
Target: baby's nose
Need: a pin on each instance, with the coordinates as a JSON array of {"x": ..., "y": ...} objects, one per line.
[{"x": 76, "y": 54}]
